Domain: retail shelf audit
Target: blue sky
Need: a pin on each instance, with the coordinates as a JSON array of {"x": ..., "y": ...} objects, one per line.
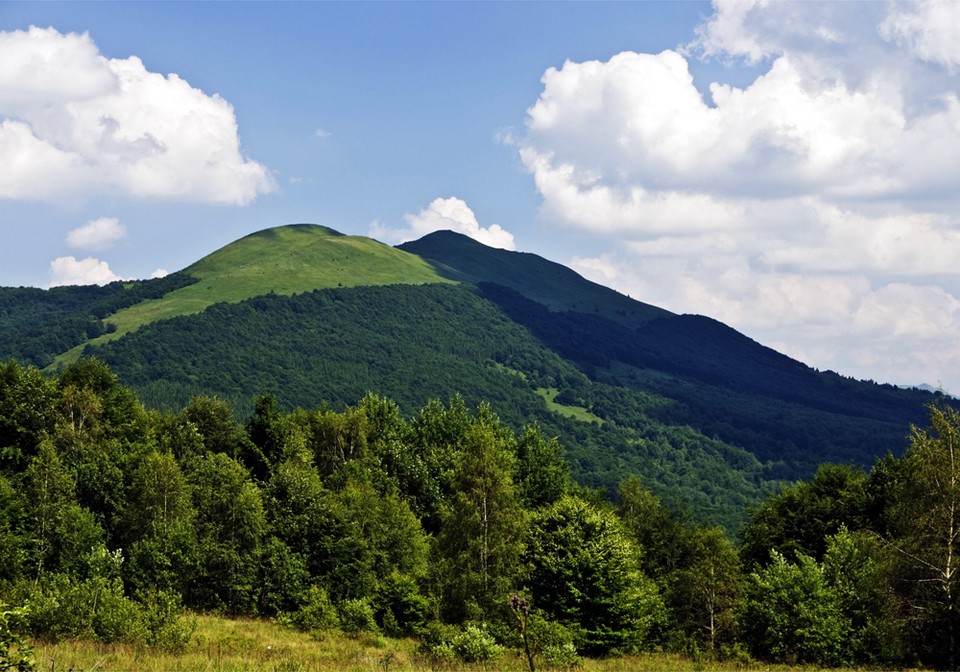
[{"x": 788, "y": 168}]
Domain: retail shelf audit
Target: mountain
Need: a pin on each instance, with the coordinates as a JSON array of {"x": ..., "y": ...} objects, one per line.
[
  {"x": 557, "y": 287},
  {"x": 711, "y": 419}
]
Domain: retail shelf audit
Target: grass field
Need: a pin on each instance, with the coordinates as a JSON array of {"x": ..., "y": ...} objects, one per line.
[
  {"x": 227, "y": 645},
  {"x": 285, "y": 260},
  {"x": 549, "y": 395}
]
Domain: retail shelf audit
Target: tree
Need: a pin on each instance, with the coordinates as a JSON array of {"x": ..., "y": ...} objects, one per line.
[
  {"x": 13, "y": 542},
  {"x": 801, "y": 517},
  {"x": 221, "y": 433},
  {"x": 656, "y": 532},
  {"x": 26, "y": 413},
  {"x": 543, "y": 476},
  {"x": 371, "y": 536},
  {"x": 584, "y": 573},
  {"x": 62, "y": 529},
  {"x": 158, "y": 526},
  {"x": 704, "y": 590},
  {"x": 925, "y": 528},
  {"x": 229, "y": 524},
  {"x": 857, "y": 566},
  {"x": 266, "y": 429},
  {"x": 791, "y": 614},
  {"x": 337, "y": 438},
  {"x": 480, "y": 539}
]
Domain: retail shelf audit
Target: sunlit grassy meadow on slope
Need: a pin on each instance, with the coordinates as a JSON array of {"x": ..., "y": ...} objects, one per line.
[{"x": 285, "y": 260}]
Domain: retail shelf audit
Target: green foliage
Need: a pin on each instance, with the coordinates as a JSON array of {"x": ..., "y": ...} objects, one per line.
[
  {"x": 317, "y": 612},
  {"x": 62, "y": 530},
  {"x": 158, "y": 527},
  {"x": 26, "y": 413},
  {"x": 400, "y": 607},
  {"x": 14, "y": 543},
  {"x": 229, "y": 524},
  {"x": 652, "y": 527},
  {"x": 473, "y": 644},
  {"x": 414, "y": 344},
  {"x": 166, "y": 625},
  {"x": 94, "y": 608},
  {"x": 924, "y": 517},
  {"x": 542, "y": 638},
  {"x": 790, "y": 613},
  {"x": 802, "y": 516},
  {"x": 857, "y": 565},
  {"x": 584, "y": 574},
  {"x": 397, "y": 521},
  {"x": 39, "y": 324},
  {"x": 16, "y": 654},
  {"x": 283, "y": 578},
  {"x": 480, "y": 540},
  {"x": 543, "y": 476},
  {"x": 704, "y": 589},
  {"x": 356, "y": 616}
]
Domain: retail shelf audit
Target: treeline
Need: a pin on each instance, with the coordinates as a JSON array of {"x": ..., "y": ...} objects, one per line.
[
  {"x": 36, "y": 325},
  {"x": 415, "y": 343},
  {"x": 449, "y": 527}
]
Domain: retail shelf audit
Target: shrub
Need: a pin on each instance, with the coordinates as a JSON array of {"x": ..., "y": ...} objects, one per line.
[
  {"x": 95, "y": 608},
  {"x": 400, "y": 607},
  {"x": 317, "y": 613},
  {"x": 356, "y": 616},
  {"x": 475, "y": 645},
  {"x": 165, "y": 625},
  {"x": 15, "y": 653}
]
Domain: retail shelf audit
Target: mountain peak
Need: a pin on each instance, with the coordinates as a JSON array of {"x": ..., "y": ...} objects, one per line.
[{"x": 553, "y": 285}]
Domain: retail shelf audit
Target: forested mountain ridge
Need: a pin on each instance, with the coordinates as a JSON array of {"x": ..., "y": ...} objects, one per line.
[
  {"x": 711, "y": 419},
  {"x": 535, "y": 278}
]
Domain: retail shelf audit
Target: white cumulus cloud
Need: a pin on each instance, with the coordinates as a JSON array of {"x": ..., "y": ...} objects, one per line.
[
  {"x": 817, "y": 207},
  {"x": 73, "y": 271},
  {"x": 451, "y": 214},
  {"x": 73, "y": 121},
  {"x": 97, "y": 234},
  {"x": 930, "y": 29}
]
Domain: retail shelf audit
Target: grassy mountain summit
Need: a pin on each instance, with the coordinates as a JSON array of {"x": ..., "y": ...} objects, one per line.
[
  {"x": 303, "y": 257},
  {"x": 282, "y": 260}
]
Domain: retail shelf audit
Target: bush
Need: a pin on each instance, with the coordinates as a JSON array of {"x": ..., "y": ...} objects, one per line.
[
  {"x": 15, "y": 653},
  {"x": 400, "y": 608},
  {"x": 555, "y": 642},
  {"x": 318, "y": 613},
  {"x": 356, "y": 616},
  {"x": 475, "y": 645},
  {"x": 165, "y": 625},
  {"x": 95, "y": 609}
]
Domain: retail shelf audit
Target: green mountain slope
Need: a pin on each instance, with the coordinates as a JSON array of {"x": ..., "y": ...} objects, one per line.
[
  {"x": 711, "y": 419},
  {"x": 553, "y": 285},
  {"x": 722, "y": 383},
  {"x": 413, "y": 344},
  {"x": 282, "y": 260}
]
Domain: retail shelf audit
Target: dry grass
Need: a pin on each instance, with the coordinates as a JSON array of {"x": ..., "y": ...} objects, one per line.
[{"x": 230, "y": 645}]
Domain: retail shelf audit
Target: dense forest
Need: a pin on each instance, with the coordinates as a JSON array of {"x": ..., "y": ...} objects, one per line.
[
  {"x": 448, "y": 526},
  {"x": 713, "y": 420}
]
